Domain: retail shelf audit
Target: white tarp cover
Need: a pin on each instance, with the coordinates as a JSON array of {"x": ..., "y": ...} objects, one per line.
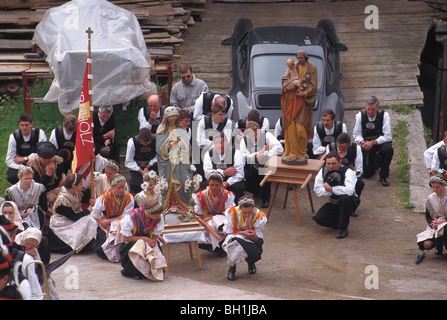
[{"x": 120, "y": 65}]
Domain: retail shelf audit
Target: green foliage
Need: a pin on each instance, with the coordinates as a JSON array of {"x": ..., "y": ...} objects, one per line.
[
  {"x": 402, "y": 108},
  {"x": 400, "y": 133}
]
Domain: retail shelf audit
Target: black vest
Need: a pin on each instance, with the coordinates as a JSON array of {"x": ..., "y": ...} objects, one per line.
[
  {"x": 325, "y": 138},
  {"x": 442, "y": 155},
  {"x": 217, "y": 164},
  {"x": 147, "y": 114},
  {"x": 143, "y": 154},
  {"x": 23, "y": 148},
  {"x": 328, "y": 176},
  {"x": 99, "y": 130},
  {"x": 209, "y": 125},
  {"x": 349, "y": 159},
  {"x": 372, "y": 129},
  {"x": 208, "y": 98},
  {"x": 63, "y": 143}
]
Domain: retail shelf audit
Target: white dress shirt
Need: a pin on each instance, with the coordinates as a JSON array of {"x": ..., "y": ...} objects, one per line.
[
  {"x": 430, "y": 153},
  {"x": 347, "y": 189},
  {"x": 142, "y": 119},
  {"x": 358, "y": 162},
  {"x": 386, "y": 129},
  {"x": 238, "y": 164},
  {"x": 130, "y": 162},
  {"x": 275, "y": 149},
  {"x": 12, "y": 149},
  {"x": 198, "y": 108},
  {"x": 53, "y": 139},
  {"x": 202, "y": 139},
  {"x": 318, "y": 148}
]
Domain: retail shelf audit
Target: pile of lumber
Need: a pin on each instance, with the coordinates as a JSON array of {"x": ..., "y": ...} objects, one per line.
[{"x": 163, "y": 24}]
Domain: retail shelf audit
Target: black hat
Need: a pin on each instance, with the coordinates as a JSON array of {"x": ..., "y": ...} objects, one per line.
[
  {"x": 46, "y": 150},
  {"x": 65, "y": 154}
]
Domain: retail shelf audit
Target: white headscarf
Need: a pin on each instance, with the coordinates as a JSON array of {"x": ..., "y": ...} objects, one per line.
[
  {"x": 18, "y": 221},
  {"x": 30, "y": 233}
]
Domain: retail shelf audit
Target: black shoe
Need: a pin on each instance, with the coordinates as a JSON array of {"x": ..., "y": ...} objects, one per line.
[
  {"x": 265, "y": 203},
  {"x": 438, "y": 250},
  {"x": 221, "y": 252},
  {"x": 231, "y": 273},
  {"x": 384, "y": 182},
  {"x": 251, "y": 268},
  {"x": 355, "y": 214},
  {"x": 342, "y": 234},
  {"x": 206, "y": 246},
  {"x": 419, "y": 257}
]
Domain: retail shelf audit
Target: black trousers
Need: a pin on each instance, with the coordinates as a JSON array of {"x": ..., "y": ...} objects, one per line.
[
  {"x": 101, "y": 237},
  {"x": 379, "y": 156},
  {"x": 238, "y": 189},
  {"x": 253, "y": 249},
  {"x": 252, "y": 180},
  {"x": 359, "y": 185},
  {"x": 336, "y": 216}
]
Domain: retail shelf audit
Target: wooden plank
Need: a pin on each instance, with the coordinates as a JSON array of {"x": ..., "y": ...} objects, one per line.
[
  {"x": 9, "y": 68},
  {"x": 19, "y": 57},
  {"x": 21, "y": 17},
  {"x": 15, "y": 44}
]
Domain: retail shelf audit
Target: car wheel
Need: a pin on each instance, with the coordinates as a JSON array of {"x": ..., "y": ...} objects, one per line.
[
  {"x": 240, "y": 29},
  {"x": 328, "y": 26}
]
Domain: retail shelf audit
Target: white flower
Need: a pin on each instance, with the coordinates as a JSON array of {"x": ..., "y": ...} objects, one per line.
[
  {"x": 193, "y": 168},
  {"x": 164, "y": 183},
  {"x": 187, "y": 184},
  {"x": 157, "y": 189},
  {"x": 152, "y": 174},
  {"x": 145, "y": 185}
]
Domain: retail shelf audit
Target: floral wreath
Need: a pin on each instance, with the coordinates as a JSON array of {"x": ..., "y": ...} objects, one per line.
[{"x": 152, "y": 176}]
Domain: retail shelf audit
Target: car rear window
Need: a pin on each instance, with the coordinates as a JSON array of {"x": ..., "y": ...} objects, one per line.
[{"x": 268, "y": 69}]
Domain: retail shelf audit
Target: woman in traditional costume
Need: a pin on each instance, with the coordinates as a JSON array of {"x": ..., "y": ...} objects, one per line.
[
  {"x": 10, "y": 210},
  {"x": 210, "y": 206},
  {"x": 102, "y": 181},
  {"x": 70, "y": 226},
  {"x": 141, "y": 255},
  {"x": 244, "y": 225},
  {"x": 109, "y": 210},
  {"x": 29, "y": 197},
  {"x": 173, "y": 153},
  {"x": 150, "y": 193},
  {"x": 436, "y": 215}
]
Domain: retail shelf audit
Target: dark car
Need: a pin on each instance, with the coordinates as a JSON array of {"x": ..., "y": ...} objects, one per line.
[{"x": 258, "y": 61}]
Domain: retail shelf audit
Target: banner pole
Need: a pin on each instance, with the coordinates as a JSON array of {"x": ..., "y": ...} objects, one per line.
[{"x": 89, "y": 31}]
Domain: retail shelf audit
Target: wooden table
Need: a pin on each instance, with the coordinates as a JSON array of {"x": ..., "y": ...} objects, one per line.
[
  {"x": 292, "y": 175},
  {"x": 182, "y": 228}
]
